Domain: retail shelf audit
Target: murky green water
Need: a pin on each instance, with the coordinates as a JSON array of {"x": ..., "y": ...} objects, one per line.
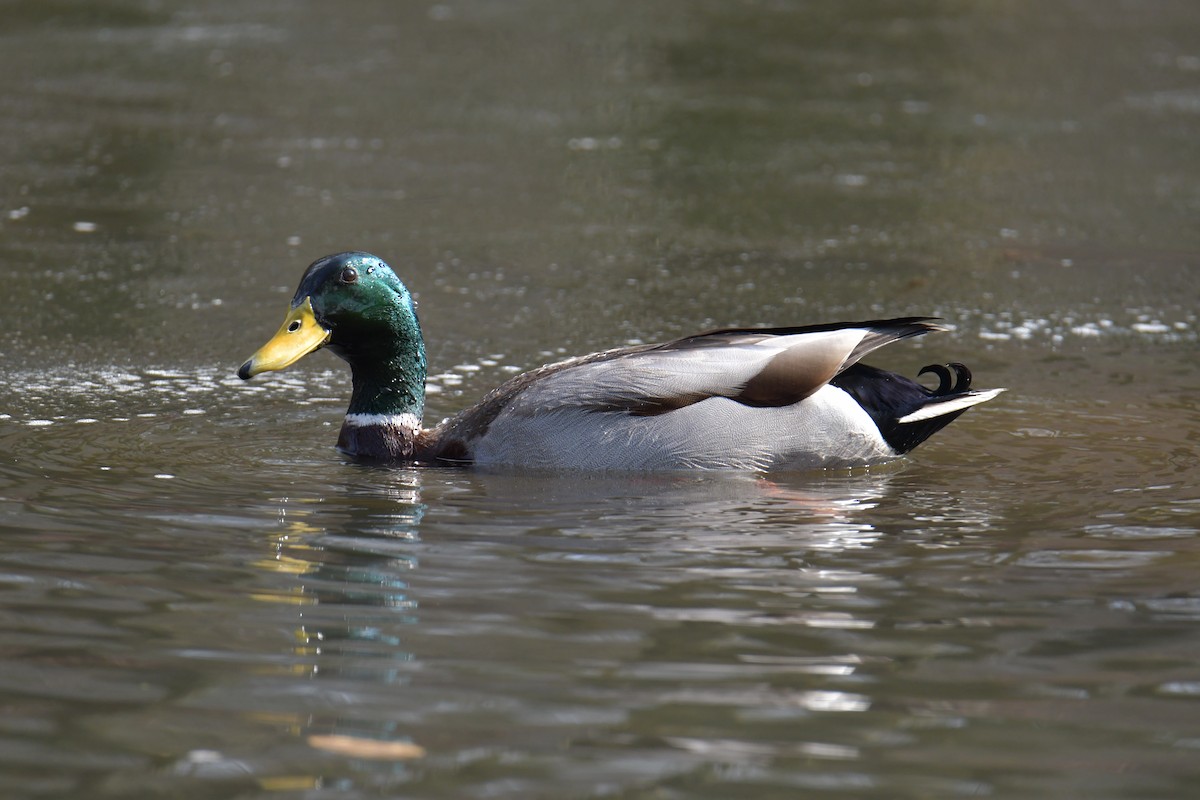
[{"x": 196, "y": 593}]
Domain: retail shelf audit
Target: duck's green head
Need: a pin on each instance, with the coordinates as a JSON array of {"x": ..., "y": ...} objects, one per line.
[{"x": 353, "y": 304}]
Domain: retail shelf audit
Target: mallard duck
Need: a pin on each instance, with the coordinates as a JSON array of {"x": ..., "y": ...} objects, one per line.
[{"x": 741, "y": 399}]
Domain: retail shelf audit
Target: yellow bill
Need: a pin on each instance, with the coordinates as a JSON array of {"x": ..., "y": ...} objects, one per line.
[{"x": 298, "y": 336}]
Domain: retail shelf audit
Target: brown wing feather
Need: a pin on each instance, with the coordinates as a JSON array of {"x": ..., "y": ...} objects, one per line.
[{"x": 790, "y": 377}]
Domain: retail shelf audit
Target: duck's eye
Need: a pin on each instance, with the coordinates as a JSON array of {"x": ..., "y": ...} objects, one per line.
[
  {"x": 294, "y": 326},
  {"x": 349, "y": 275}
]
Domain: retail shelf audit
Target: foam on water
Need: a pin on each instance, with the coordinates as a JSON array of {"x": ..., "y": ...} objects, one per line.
[
  {"x": 1062, "y": 328},
  {"x": 83, "y": 395},
  {"x": 87, "y": 395}
]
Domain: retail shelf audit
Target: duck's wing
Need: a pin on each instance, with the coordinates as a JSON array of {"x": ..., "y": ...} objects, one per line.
[{"x": 755, "y": 367}]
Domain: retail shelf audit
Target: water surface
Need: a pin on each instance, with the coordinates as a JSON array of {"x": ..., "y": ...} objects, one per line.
[{"x": 199, "y": 598}]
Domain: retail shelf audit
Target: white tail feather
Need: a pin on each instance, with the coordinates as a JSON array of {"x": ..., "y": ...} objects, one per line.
[{"x": 939, "y": 408}]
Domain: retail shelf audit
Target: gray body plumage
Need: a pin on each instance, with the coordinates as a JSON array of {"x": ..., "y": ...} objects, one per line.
[{"x": 739, "y": 399}]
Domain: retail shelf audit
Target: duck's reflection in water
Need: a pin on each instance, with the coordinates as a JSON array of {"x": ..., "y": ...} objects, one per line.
[
  {"x": 352, "y": 554},
  {"x": 528, "y": 551}
]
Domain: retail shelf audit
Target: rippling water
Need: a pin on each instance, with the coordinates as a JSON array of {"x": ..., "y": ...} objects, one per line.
[
  {"x": 199, "y": 598},
  {"x": 193, "y": 600}
]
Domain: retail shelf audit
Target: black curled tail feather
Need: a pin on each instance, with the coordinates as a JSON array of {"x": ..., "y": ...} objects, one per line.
[
  {"x": 961, "y": 382},
  {"x": 888, "y": 398}
]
